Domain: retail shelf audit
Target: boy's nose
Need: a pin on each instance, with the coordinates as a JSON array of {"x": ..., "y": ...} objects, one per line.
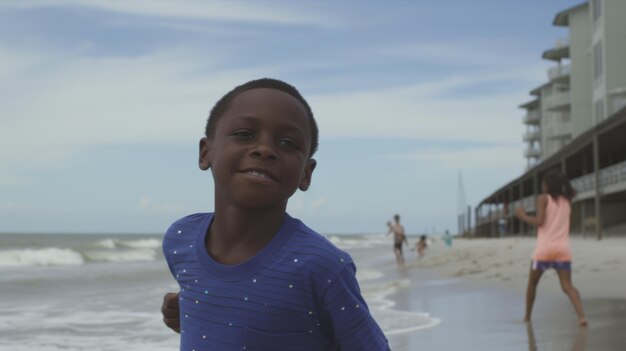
[{"x": 264, "y": 149}]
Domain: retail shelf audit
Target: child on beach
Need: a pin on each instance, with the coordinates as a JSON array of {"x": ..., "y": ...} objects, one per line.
[
  {"x": 421, "y": 246},
  {"x": 552, "y": 249},
  {"x": 252, "y": 277}
]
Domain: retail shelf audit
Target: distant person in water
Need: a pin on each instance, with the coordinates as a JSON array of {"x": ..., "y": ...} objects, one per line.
[
  {"x": 552, "y": 249},
  {"x": 447, "y": 238},
  {"x": 421, "y": 246},
  {"x": 399, "y": 238}
]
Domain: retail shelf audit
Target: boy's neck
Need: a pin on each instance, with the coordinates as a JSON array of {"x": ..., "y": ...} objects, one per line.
[{"x": 236, "y": 235}]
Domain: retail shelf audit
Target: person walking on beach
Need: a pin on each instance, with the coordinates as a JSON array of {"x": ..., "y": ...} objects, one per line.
[
  {"x": 552, "y": 249},
  {"x": 252, "y": 277},
  {"x": 399, "y": 238}
]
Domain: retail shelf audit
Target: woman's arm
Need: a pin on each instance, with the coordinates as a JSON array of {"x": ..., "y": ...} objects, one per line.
[{"x": 542, "y": 202}]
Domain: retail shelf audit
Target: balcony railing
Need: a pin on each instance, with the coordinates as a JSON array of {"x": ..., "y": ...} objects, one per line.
[
  {"x": 532, "y": 117},
  {"x": 532, "y": 135},
  {"x": 610, "y": 176},
  {"x": 559, "y": 71},
  {"x": 532, "y": 152},
  {"x": 558, "y": 101}
]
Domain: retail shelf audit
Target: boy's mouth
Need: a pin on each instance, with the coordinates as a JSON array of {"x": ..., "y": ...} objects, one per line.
[{"x": 260, "y": 174}]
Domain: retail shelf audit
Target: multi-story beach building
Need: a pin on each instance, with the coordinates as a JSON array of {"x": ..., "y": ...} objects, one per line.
[
  {"x": 576, "y": 120},
  {"x": 587, "y": 83}
]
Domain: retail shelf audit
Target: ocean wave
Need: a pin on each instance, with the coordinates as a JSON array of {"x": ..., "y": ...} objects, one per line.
[
  {"x": 368, "y": 274},
  {"x": 107, "y": 250},
  {"x": 140, "y": 243},
  {"x": 107, "y": 243},
  {"x": 350, "y": 242},
  {"x": 120, "y": 255},
  {"x": 50, "y": 256},
  {"x": 393, "y": 321},
  {"x": 113, "y": 243}
]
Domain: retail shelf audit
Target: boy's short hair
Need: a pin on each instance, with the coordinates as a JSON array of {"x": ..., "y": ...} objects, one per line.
[{"x": 224, "y": 103}]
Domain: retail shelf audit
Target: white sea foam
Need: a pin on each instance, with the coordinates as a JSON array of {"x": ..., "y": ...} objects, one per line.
[
  {"x": 394, "y": 321},
  {"x": 121, "y": 255},
  {"x": 368, "y": 274},
  {"x": 350, "y": 242},
  {"x": 140, "y": 243},
  {"x": 50, "y": 256},
  {"x": 106, "y": 243}
]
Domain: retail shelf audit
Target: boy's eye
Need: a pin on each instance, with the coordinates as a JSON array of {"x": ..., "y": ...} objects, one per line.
[
  {"x": 289, "y": 143},
  {"x": 243, "y": 134}
]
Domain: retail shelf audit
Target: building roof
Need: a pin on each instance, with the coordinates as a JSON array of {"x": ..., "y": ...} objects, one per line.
[
  {"x": 538, "y": 89},
  {"x": 562, "y": 18},
  {"x": 530, "y": 104}
]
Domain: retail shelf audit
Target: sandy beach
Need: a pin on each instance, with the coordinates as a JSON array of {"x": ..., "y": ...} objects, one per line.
[
  {"x": 104, "y": 292},
  {"x": 477, "y": 288}
]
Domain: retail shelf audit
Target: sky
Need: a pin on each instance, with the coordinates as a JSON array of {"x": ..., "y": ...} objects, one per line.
[{"x": 102, "y": 105}]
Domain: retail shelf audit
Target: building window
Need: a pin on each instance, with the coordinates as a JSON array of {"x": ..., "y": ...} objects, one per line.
[
  {"x": 596, "y": 6},
  {"x": 599, "y": 110},
  {"x": 597, "y": 60}
]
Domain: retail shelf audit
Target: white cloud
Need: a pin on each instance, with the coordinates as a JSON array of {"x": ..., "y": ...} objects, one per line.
[
  {"x": 469, "y": 158},
  {"x": 420, "y": 111},
  {"x": 58, "y": 103},
  {"x": 55, "y": 104},
  {"x": 238, "y": 11}
]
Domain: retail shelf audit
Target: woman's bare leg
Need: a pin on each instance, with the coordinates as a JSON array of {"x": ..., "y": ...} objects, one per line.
[{"x": 565, "y": 277}]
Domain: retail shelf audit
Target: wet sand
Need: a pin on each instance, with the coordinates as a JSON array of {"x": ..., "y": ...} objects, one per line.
[{"x": 477, "y": 289}]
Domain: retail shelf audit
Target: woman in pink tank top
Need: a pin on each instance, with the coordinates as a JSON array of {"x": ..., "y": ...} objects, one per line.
[{"x": 552, "y": 249}]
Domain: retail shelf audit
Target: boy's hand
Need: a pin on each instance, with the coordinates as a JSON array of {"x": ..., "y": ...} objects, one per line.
[
  {"x": 519, "y": 212},
  {"x": 170, "y": 311}
]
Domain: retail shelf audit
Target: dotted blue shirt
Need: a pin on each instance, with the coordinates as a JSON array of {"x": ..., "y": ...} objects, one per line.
[{"x": 298, "y": 293}]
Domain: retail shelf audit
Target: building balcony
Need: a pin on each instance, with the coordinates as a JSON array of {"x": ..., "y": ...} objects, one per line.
[
  {"x": 559, "y": 101},
  {"x": 559, "y": 51},
  {"x": 560, "y": 74},
  {"x": 532, "y": 152},
  {"x": 612, "y": 180},
  {"x": 532, "y": 117},
  {"x": 532, "y": 135}
]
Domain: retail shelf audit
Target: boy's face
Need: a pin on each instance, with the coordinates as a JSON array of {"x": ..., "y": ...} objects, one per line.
[{"x": 259, "y": 153}]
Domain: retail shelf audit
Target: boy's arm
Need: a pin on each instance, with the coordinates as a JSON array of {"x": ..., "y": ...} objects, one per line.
[
  {"x": 171, "y": 312},
  {"x": 353, "y": 325}
]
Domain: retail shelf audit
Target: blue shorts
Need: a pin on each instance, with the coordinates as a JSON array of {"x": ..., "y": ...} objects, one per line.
[{"x": 545, "y": 265}]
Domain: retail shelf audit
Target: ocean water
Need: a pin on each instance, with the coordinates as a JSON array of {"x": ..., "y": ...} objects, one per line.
[{"x": 104, "y": 292}]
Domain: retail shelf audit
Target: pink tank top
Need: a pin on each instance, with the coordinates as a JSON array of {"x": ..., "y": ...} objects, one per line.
[{"x": 553, "y": 234}]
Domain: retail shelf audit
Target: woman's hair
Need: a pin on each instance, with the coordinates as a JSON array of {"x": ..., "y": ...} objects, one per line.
[{"x": 558, "y": 184}]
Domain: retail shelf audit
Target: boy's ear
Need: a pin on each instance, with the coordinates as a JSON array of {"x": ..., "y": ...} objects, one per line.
[
  {"x": 305, "y": 182},
  {"x": 204, "y": 156}
]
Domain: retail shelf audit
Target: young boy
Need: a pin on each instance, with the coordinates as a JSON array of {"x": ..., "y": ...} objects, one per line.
[{"x": 251, "y": 277}]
